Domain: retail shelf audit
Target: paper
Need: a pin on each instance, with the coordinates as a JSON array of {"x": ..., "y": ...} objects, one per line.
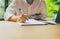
[
  {"x": 32, "y": 22},
  {"x": 51, "y": 22}
]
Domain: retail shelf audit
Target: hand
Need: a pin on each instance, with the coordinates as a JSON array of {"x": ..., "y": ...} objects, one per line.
[
  {"x": 22, "y": 18},
  {"x": 35, "y": 17}
]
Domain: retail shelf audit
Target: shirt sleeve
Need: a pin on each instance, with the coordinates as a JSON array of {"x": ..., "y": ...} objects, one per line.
[
  {"x": 10, "y": 11},
  {"x": 43, "y": 9}
]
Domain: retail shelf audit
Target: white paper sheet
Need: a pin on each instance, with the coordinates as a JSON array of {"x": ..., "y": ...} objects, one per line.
[{"x": 32, "y": 22}]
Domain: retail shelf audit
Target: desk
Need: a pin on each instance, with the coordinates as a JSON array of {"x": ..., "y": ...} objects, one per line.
[{"x": 11, "y": 30}]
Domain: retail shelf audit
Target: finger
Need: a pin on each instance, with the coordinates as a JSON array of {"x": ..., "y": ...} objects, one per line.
[
  {"x": 33, "y": 17},
  {"x": 25, "y": 15}
]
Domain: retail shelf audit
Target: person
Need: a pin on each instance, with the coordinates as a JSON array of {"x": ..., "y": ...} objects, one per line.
[{"x": 20, "y": 10}]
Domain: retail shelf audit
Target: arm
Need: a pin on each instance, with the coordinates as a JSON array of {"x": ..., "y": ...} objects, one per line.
[
  {"x": 10, "y": 11},
  {"x": 43, "y": 9},
  {"x": 10, "y": 14}
]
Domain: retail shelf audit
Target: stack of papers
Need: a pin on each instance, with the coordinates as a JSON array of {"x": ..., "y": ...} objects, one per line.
[{"x": 32, "y": 22}]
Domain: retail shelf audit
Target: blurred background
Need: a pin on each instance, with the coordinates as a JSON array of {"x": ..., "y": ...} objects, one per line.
[{"x": 52, "y": 7}]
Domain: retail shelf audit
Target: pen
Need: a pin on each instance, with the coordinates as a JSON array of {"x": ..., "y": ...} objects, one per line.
[{"x": 21, "y": 12}]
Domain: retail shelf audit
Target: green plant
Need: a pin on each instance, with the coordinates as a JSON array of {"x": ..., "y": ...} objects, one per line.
[
  {"x": 52, "y": 7},
  {"x": 1, "y": 8}
]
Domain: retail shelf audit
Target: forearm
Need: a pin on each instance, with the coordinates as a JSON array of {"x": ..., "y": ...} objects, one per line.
[
  {"x": 22, "y": 18},
  {"x": 13, "y": 18}
]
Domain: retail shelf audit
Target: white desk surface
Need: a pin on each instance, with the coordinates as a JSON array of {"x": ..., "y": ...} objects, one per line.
[{"x": 11, "y": 30}]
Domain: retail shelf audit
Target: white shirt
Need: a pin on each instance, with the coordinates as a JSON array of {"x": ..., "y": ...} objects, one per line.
[{"x": 10, "y": 11}]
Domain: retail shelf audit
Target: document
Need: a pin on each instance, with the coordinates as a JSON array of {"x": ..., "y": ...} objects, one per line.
[{"x": 32, "y": 22}]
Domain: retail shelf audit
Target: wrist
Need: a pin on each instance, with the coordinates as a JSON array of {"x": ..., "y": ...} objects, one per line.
[{"x": 13, "y": 18}]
